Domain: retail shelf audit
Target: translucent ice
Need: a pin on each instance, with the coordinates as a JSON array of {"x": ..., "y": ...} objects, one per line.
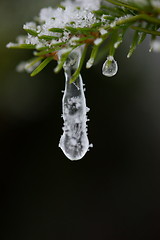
[
  {"x": 110, "y": 67},
  {"x": 74, "y": 141}
]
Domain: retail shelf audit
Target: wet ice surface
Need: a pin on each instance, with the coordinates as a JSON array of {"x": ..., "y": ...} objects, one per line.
[
  {"x": 74, "y": 141},
  {"x": 110, "y": 67}
]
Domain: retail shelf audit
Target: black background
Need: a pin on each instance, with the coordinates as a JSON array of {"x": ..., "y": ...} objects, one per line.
[{"x": 113, "y": 192}]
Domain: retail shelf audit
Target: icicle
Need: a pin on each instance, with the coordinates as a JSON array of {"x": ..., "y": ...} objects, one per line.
[
  {"x": 110, "y": 67},
  {"x": 74, "y": 141}
]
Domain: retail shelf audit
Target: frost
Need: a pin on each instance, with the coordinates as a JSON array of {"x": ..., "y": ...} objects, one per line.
[
  {"x": 26, "y": 66},
  {"x": 73, "y": 40},
  {"x": 20, "y": 40},
  {"x": 75, "y": 14},
  {"x": 103, "y": 31},
  {"x": 30, "y": 26},
  {"x": 10, "y": 45},
  {"x": 46, "y": 14},
  {"x": 116, "y": 44},
  {"x": 113, "y": 24},
  {"x": 32, "y": 40},
  {"x": 90, "y": 63},
  {"x": 63, "y": 51},
  {"x": 98, "y": 41},
  {"x": 60, "y": 18}
]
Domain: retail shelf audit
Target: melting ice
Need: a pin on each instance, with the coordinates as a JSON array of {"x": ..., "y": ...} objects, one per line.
[
  {"x": 74, "y": 141},
  {"x": 110, "y": 67}
]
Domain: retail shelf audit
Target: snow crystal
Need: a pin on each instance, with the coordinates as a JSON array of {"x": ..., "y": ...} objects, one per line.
[
  {"x": 32, "y": 40},
  {"x": 60, "y": 18},
  {"x": 103, "y": 31},
  {"x": 90, "y": 63},
  {"x": 46, "y": 13},
  {"x": 73, "y": 40},
  {"x": 10, "y": 45},
  {"x": 20, "y": 40},
  {"x": 75, "y": 14},
  {"x": 116, "y": 44},
  {"x": 30, "y": 26},
  {"x": 25, "y": 66}
]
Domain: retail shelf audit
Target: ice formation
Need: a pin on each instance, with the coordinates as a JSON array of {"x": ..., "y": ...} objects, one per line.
[
  {"x": 110, "y": 67},
  {"x": 78, "y": 13},
  {"x": 74, "y": 141}
]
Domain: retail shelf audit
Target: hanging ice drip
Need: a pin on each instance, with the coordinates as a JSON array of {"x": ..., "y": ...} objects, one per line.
[
  {"x": 74, "y": 141},
  {"x": 110, "y": 67}
]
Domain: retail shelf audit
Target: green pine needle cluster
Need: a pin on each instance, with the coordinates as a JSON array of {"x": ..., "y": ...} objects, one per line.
[{"x": 143, "y": 17}]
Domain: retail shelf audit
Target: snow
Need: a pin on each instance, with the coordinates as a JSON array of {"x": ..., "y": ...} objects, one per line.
[
  {"x": 76, "y": 14},
  {"x": 116, "y": 44},
  {"x": 90, "y": 62},
  {"x": 30, "y": 26},
  {"x": 103, "y": 31},
  {"x": 25, "y": 66},
  {"x": 10, "y": 45},
  {"x": 32, "y": 40},
  {"x": 20, "y": 40},
  {"x": 98, "y": 41}
]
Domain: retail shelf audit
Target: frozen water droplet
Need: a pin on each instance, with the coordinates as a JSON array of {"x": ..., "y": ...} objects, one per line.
[
  {"x": 110, "y": 67},
  {"x": 90, "y": 62},
  {"x": 74, "y": 141}
]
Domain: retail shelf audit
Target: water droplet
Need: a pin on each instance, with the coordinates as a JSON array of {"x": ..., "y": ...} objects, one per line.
[
  {"x": 74, "y": 141},
  {"x": 110, "y": 67}
]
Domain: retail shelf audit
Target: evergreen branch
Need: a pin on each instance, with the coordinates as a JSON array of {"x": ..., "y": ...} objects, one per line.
[
  {"x": 62, "y": 60},
  {"x": 132, "y": 19},
  {"x": 151, "y": 32},
  {"x": 91, "y": 60},
  {"x": 117, "y": 3},
  {"x": 31, "y": 32},
  {"x": 41, "y": 66},
  {"x": 33, "y": 62},
  {"x": 90, "y": 27}
]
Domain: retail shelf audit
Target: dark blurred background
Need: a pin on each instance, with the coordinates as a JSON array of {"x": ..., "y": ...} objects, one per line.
[{"x": 113, "y": 192}]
